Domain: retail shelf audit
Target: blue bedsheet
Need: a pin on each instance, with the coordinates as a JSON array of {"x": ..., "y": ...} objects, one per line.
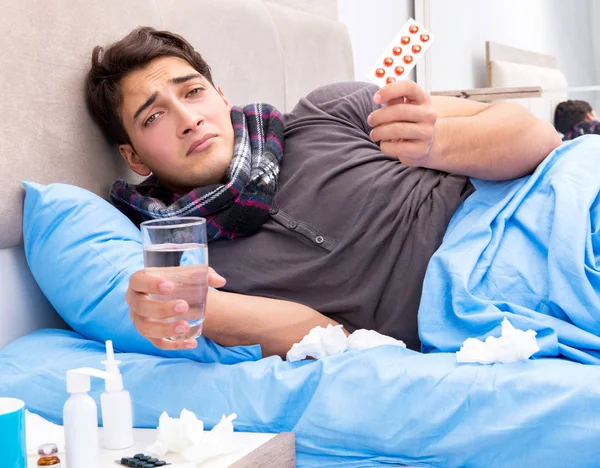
[
  {"x": 527, "y": 250},
  {"x": 378, "y": 407}
]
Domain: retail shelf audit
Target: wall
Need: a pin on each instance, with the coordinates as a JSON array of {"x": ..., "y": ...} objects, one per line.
[
  {"x": 595, "y": 20},
  {"x": 555, "y": 27},
  {"x": 372, "y": 25}
]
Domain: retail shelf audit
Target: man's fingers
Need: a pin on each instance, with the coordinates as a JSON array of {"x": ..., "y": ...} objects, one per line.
[
  {"x": 400, "y": 131},
  {"x": 399, "y": 89},
  {"x": 142, "y": 282},
  {"x": 401, "y": 100},
  {"x": 143, "y": 306},
  {"x": 215, "y": 280},
  {"x": 401, "y": 113},
  {"x": 159, "y": 329},
  {"x": 169, "y": 345}
]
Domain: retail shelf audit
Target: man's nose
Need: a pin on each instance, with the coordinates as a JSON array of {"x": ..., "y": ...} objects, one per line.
[{"x": 189, "y": 119}]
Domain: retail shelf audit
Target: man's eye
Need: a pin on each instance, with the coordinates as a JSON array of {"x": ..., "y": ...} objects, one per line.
[
  {"x": 150, "y": 119},
  {"x": 194, "y": 91}
]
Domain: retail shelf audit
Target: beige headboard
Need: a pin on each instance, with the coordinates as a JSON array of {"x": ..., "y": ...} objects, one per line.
[
  {"x": 527, "y": 77},
  {"x": 260, "y": 50},
  {"x": 510, "y": 67}
]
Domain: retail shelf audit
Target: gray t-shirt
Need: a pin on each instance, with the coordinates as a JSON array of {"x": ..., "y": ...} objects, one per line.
[{"x": 351, "y": 230}]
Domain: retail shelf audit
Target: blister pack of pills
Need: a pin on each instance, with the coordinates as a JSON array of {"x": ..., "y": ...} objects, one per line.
[{"x": 401, "y": 55}]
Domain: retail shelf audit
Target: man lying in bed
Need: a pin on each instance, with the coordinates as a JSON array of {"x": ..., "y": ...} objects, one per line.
[
  {"x": 340, "y": 211},
  {"x": 575, "y": 118}
]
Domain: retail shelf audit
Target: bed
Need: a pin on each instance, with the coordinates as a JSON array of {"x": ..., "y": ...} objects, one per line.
[{"x": 386, "y": 406}]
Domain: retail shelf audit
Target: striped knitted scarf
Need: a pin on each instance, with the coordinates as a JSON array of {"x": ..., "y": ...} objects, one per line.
[{"x": 237, "y": 207}]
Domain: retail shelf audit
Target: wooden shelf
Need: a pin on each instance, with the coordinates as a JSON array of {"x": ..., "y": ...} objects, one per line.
[{"x": 493, "y": 94}]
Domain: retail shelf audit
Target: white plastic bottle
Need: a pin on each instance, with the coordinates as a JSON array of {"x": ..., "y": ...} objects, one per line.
[
  {"x": 115, "y": 402},
  {"x": 80, "y": 419}
]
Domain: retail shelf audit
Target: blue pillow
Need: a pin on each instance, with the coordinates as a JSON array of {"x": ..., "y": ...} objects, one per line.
[{"x": 82, "y": 252}]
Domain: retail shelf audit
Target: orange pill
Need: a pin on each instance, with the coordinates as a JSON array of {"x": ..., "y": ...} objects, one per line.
[
  {"x": 408, "y": 59},
  {"x": 416, "y": 49},
  {"x": 388, "y": 61},
  {"x": 397, "y": 51},
  {"x": 380, "y": 73},
  {"x": 405, "y": 40},
  {"x": 414, "y": 29},
  {"x": 424, "y": 37},
  {"x": 399, "y": 70},
  {"x": 390, "y": 79}
]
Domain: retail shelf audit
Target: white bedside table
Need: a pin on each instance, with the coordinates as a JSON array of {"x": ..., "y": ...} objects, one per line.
[{"x": 254, "y": 450}]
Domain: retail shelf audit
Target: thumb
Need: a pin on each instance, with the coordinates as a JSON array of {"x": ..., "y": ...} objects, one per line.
[{"x": 215, "y": 280}]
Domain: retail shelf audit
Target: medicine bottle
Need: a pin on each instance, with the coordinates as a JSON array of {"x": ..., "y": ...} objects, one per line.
[{"x": 47, "y": 453}]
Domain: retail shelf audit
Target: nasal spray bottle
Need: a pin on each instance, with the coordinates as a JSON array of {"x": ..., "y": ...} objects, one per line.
[
  {"x": 80, "y": 419},
  {"x": 117, "y": 418}
]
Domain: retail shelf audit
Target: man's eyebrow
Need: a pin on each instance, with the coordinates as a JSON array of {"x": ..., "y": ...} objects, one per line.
[
  {"x": 151, "y": 99},
  {"x": 145, "y": 106},
  {"x": 183, "y": 79}
]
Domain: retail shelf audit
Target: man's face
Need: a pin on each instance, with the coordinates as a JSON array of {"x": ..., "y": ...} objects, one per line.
[{"x": 178, "y": 123}]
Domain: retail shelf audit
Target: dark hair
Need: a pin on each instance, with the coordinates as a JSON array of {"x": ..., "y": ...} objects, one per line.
[
  {"x": 111, "y": 65},
  {"x": 570, "y": 113}
]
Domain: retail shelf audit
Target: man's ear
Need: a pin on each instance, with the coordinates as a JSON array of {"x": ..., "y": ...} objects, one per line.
[
  {"x": 591, "y": 116},
  {"x": 133, "y": 160},
  {"x": 227, "y": 103}
]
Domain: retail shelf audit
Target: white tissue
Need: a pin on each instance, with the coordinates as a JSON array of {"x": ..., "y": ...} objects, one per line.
[
  {"x": 319, "y": 343},
  {"x": 38, "y": 431},
  {"x": 323, "y": 342},
  {"x": 365, "y": 339},
  {"x": 186, "y": 435},
  {"x": 176, "y": 434},
  {"x": 514, "y": 345},
  {"x": 214, "y": 443}
]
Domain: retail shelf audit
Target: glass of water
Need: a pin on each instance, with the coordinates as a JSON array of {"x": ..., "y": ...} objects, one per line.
[{"x": 175, "y": 249}]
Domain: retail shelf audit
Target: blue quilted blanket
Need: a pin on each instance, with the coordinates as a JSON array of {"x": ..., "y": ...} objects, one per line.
[{"x": 528, "y": 250}]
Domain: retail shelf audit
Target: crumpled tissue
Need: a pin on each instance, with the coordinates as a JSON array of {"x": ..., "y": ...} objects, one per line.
[
  {"x": 319, "y": 343},
  {"x": 365, "y": 339},
  {"x": 331, "y": 341},
  {"x": 185, "y": 435},
  {"x": 39, "y": 431},
  {"x": 514, "y": 345}
]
